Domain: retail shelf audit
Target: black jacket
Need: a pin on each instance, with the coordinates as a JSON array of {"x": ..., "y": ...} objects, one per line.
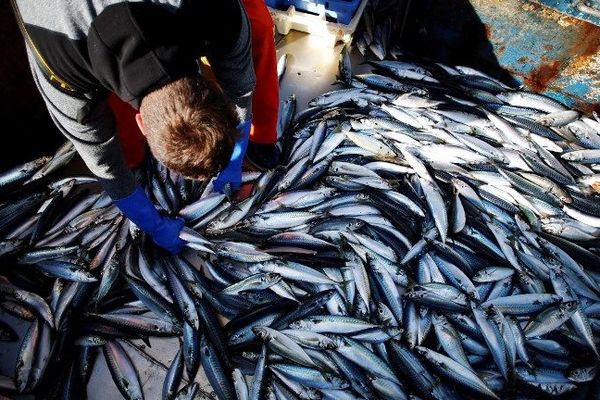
[{"x": 129, "y": 48}]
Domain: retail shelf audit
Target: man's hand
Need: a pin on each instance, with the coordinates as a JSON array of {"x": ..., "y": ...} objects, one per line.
[
  {"x": 163, "y": 230},
  {"x": 230, "y": 179}
]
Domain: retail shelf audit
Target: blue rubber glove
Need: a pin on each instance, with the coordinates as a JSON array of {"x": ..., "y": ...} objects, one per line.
[
  {"x": 230, "y": 179},
  {"x": 163, "y": 230}
]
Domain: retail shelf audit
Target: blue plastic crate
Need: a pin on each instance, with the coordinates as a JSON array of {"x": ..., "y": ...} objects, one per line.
[{"x": 340, "y": 11}]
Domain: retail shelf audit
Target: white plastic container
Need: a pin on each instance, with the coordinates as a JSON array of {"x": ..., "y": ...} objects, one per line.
[{"x": 330, "y": 32}]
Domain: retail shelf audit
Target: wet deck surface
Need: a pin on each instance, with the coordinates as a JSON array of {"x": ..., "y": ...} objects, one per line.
[{"x": 311, "y": 68}]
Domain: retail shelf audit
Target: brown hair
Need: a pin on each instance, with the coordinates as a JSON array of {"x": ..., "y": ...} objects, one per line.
[{"x": 190, "y": 126}]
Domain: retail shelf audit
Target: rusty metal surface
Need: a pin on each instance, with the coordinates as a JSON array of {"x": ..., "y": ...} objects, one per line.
[
  {"x": 588, "y": 10},
  {"x": 547, "y": 50},
  {"x": 550, "y": 51}
]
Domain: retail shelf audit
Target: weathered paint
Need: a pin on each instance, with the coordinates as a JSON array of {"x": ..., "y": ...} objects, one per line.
[
  {"x": 543, "y": 47},
  {"x": 575, "y": 9},
  {"x": 548, "y": 50}
]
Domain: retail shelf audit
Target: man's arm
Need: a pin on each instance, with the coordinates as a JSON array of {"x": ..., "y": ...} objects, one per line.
[{"x": 95, "y": 140}]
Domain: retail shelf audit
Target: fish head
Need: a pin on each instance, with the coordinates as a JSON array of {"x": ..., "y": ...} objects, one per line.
[
  {"x": 565, "y": 198},
  {"x": 328, "y": 192},
  {"x": 570, "y": 306},
  {"x": 335, "y": 167},
  {"x": 327, "y": 344},
  {"x": 249, "y": 355},
  {"x": 338, "y": 341},
  {"x": 162, "y": 328},
  {"x": 383, "y": 312},
  {"x": 261, "y": 332},
  {"x": 546, "y": 120},
  {"x": 583, "y": 374},
  {"x": 458, "y": 183},
  {"x": 356, "y": 225},
  {"x": 213, "y": 225},
  {"x": 267, "y": 266},
  {"x": 438, "y": 318},
  {"x": 479, "y": 275},
  {"x": 90, "y": 340},
  {"x": 270, "y": 278},
  {"x": 393, "y": 331},
  {"x": 553, "y": 228},
  {"x": 363, "y": 197},
  {"x": 413, "y": 294},
  {"x": 302, "y": 324},
  {"x": 421, "y": 350}
]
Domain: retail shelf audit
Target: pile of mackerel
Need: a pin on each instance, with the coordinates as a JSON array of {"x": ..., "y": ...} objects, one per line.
[{"x": 431, "y": 234}]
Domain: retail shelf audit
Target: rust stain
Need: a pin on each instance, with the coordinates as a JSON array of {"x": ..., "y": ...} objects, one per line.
[
  {"x": 546, "y": 12},
  {"x": 587, "y": 107},
  {"x": 590, "y": 39},
  {"x": 586, "y": 47},
  {"x": 524, "y": 60},
  {"x": 533, "y": 6},
  {"x": 566, "y": 60},
  {"x": 488, "y": 31},
  {"x": 583, "y": 57},
  {"x": 539, "y": 79},
  {"x": 576, "y": 60}
]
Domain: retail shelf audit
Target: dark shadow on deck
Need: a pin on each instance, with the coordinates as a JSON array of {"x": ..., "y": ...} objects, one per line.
[
  {"x": 451, "y": 32},
  {"x": 26, "y": 130}
]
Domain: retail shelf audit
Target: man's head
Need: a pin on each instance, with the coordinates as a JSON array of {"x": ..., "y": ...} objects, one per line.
[{"x": 190, "y": 126}]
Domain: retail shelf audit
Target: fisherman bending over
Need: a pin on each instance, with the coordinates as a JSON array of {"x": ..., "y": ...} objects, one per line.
[{"x": 100, "y": 65}]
